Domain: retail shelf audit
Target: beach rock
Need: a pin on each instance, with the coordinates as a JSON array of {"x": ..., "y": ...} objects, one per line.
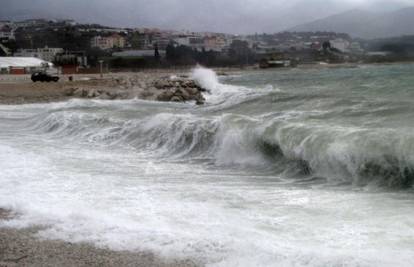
[
  {"x": 163, "y": 84},
  {"x": 80, "y": 93},
  {"x": 165, "y": 96},
  {"x": 70, "y": 91},
  {"x": 104, "y": 96},
  {"x": 122, "y": 95},
  {"x": 182, "y": 94},
  {"x": 92, "y": 93},
  {"x": 142, "y": 84},
  {"x": 177, "y": 99},
  {"x": 192, "y": 91},
  {"x": 111, "y": 95},
  {"x": 190, "y": 84},
  {"x": 146, "y": 94},
  {"x": 200, "y": 100}
]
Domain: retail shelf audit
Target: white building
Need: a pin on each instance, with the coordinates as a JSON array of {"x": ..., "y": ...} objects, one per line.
[
  {"x": 27, "y": 64},
  {"x": 214, "y": 43},
  {"x": 182, "y": 40},
  {"x": 46, "y": 53},
  {"x": 355, "y": 47},
  {"x": 196, "y": 42},
  {"x": 104, "y": 43},
  {"x": 6, "y": 32},
  {"x": 340, "y": 44},
  {"x": 31, "y": 23}
]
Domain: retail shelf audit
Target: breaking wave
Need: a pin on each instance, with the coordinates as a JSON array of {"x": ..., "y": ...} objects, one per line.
[
  {"x": 219, "y": 93},
  {"x": 256, "y": 177},
  {"x": 284, "y": 142},
  {"x": 355, "y": 156}
]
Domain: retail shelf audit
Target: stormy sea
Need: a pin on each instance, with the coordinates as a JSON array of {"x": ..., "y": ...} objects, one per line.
[{"x": 294, "y": 167}]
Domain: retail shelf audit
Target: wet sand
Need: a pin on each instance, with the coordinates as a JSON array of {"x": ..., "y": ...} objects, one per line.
[
  {"x": 21, "y": 90},
  {"x": 20, "y": 247}
]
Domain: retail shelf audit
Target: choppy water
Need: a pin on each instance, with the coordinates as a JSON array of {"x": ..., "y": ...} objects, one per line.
[{"x": 280, "y": 168}]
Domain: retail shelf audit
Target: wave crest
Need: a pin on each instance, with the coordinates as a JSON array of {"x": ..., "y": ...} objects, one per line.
[{"x": 291, "y": 150}]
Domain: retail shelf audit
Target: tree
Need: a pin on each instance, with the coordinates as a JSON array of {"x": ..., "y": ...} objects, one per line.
[
  {"x": 240, "y": 51},
  {"x": 156, "y": 52},
  {"x": 170, "y": 52},
  {"x": 326, "y": 45}
]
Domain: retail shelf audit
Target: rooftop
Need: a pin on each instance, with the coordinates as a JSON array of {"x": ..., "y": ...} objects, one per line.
[{"x": 22, "y": 62}]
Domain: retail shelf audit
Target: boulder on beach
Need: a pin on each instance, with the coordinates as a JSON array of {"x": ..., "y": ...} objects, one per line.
[
  {"x": 179, "y": 90},
  {"x": 174, "y": 89},
  {"x": 165, "y": 96}
]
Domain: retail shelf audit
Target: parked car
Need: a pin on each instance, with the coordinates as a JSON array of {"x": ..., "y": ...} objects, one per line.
[{"x": 44, "y": 77}]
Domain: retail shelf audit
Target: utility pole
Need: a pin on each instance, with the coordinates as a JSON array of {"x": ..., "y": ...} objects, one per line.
[{"x": 101, "y": 67}]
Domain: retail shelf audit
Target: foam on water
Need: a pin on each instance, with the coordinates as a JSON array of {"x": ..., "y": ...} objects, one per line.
[
  {"x": 219, "y": 92},
  {"x": 245, "y": 182}
]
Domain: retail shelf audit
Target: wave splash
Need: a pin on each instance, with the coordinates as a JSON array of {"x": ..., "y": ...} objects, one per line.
[
  {"x": 220, "y": 92},
  {"x": 206, "y": 78},
  {"x": 291, "y": 150}
]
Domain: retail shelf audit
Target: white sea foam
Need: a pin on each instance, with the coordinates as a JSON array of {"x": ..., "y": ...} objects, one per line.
[
  {"x": 195, "y": 183},
  {"x": 218, "y": 92}
]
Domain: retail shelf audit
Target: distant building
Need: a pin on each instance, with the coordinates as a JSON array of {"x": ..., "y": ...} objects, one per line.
[
  {"x": 32, "y": 23},
  {"x": 356, "y": 48},
  {"x": 193, "y": 41},
  {"x": 105, "y": 43},
  {"x": 72, "y": 62},
  {"x": 161, "y": 42},
  {"x": 340, "y": 44},
  {"x": 143, "y": 41},
  {"x": 117, "y": 40},
  {"x": 316, "y": 46},
  {"x": 102, "y": 43},
  {"x": 138, "y": 53},
  {"x": 6, "y": 33},
  {"x": 182, "y": 40},
  {"x": 215, "y": 43},
  {"x": 22, "y": 65},
  {"x": 46, "y": 53}
]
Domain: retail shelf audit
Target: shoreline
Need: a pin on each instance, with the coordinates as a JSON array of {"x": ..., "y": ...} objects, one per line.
[
  {"x": 159, "y": 86},
  {"x": 155, "y": 85},
  {"x": 20, "y": 247}
]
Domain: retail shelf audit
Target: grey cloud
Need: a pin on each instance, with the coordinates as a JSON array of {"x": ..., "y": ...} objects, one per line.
[{"x": 235, "y": 16}]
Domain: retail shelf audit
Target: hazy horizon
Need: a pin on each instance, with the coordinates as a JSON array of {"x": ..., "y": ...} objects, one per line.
[{"x": 229, "y": 16}]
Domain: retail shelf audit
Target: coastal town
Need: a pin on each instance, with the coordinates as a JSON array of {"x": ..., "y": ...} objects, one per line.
[
  {"x": 92, "y": 48},
  {"x": 206, "y": 133}
]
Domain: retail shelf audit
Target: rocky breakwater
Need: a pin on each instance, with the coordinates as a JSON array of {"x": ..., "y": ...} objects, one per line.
[
  {"x": 179, "y": 89},
  {"x": 142, "y": 86}
]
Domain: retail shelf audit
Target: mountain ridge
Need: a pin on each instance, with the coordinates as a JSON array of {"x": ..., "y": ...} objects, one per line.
[{"x": 365, "y": 24}]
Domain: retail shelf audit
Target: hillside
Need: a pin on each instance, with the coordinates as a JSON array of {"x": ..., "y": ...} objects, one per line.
[{"x": 365, "y": 24}]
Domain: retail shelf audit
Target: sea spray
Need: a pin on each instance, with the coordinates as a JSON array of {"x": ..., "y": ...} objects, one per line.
[
  {"x": 219, "y": 92},
  {"x": 251, "y": 182},
  {"x": 348, "y": 155},
  {"x": 206, "y": 78}
]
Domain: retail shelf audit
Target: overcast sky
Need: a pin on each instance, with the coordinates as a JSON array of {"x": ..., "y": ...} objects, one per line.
[{"x": 233, "y": 16}]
